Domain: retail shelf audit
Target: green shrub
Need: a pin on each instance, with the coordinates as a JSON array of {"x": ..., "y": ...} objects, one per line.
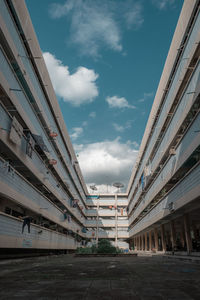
[
  {"x": 104, "y": 246},
  {"x": 86, "y": 250}
]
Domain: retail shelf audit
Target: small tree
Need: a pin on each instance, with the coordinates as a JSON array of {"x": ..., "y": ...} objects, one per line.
[{"x": 105, "y": 246}]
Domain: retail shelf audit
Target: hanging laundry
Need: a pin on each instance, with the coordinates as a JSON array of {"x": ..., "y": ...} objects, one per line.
[
  {"x": 65, "y": 214},
  {"x": 26, "y": 221},
  {"x": 30, "y": 145},
  {"x": 40, "y": 142},
  {"x": 74, "y": 204},
  {"x": 143, "y": 181},
  {"x": 122, "y": 211}
]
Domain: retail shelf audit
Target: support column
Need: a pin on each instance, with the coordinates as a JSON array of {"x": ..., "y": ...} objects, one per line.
[
  {"x": 145, "y": 241},
  {"x": 142, "y": 242},
  {"x": 162, "y": 230},
  {"x": 187, "y": 233},
  {"x": 182, "y": 237},
  {"x": 156, "y": 238},
  {"x": 139, "y": 242},
  {"x": 172, "y": 231},
  {"x": 150, "y": 241},
  {"x": 135, "y": 243}
]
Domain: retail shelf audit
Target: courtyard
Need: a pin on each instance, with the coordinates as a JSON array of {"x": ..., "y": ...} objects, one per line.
[{"x": 92, "y": 278}]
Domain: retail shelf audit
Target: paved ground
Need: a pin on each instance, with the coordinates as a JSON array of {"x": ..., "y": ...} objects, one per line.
[{"x": 68, "y": 277}]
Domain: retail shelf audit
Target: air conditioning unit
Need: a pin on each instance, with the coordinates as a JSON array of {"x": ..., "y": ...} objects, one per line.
[{"x": 172, "y": 151}]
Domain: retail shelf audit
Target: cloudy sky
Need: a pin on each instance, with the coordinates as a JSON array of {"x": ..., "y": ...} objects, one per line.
[{"x": 105, "y": 59}]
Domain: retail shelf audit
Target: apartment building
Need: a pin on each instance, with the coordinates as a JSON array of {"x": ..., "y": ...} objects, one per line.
[
  {"x": 164, "y": 189},
  {"x": 107, "y": 218},
  {"x": 41, "y": 183},
  {"x": 44, "y": 202}
]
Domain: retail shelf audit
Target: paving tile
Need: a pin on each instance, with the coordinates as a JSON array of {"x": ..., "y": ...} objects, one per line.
[{"x": 67, "y": 277}]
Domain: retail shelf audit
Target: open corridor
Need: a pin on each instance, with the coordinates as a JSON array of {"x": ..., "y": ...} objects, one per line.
[{"x": 69, "y": 277}]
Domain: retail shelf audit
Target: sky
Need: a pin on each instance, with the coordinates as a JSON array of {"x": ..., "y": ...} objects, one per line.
[{"x": 105, "y": 60}]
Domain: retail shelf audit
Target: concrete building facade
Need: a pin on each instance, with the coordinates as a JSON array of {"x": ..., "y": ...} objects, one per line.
[
  {"x": 41, "y": 182},
  {"x": 164, "y": 190}
]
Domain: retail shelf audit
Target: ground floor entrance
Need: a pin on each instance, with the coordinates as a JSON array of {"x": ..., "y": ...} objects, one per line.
[{"x": 180, "y": 234}]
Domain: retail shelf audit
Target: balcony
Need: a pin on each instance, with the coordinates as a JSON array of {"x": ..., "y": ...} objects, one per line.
[
  {"x": 14, "y": 186},
  {"x": 106, "y": 223},
  {"x": 183, "y": 193},
  {"x": 184, "y": 150}
]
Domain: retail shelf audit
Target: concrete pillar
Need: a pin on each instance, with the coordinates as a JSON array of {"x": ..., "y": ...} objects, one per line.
[
  {"x": 187, "y": 233},
  {"x": 145, "y": 241},
  {"x": 150, "y": 241},
  {"x": 182, "y": 236},
  {"x": 156, "y": 238},
  {"x": 194, "y": 229},
  {"x": 142, "y": 236},
  {"x": 139, "y": 242},
  {"x": 173, "y": 235},
  {"x": 162, "y": 230}
]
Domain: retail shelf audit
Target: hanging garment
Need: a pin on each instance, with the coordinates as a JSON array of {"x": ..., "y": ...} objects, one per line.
[
  {"x": 65, "y": 215},
  {"x": 30, "y": 145},
  {"x": 40, "y": 142},
  {"x": 27, "y": 221}
]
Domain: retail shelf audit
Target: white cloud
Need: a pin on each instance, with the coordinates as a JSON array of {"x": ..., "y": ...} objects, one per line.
[
  {"x": 92, "y": 114},
  {"x": 146, "y": 96},
  {"x": 103, "y": 189},
  {"x": 135, "y": 144},
  {"x": 106, "y": 162},
  {"x": 77, "y": 88},
  {"x": 162, "y": 4},
  {"x": 133, "y": 16},
  {"x": 76, "y": 132},
  {"x": 117, "y": 102},
  {"x": 85, "y": 123},
  {"x": 92, "y": 24},
  {"x": 129, "y": 123},
  {"x": 121, "y": 128},
  {"x": 96, "y": 24},
  {"x": 118, "y": 127}
]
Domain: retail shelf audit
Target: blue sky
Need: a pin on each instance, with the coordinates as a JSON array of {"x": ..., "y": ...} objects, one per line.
[{"x": 105, "y": 59}]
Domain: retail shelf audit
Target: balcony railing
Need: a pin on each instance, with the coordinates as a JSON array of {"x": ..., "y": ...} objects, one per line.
[
  {"x": 187, "y": 190},
  {"x": 39, "y": 237},
  {"x": 170, "y": 168}
]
